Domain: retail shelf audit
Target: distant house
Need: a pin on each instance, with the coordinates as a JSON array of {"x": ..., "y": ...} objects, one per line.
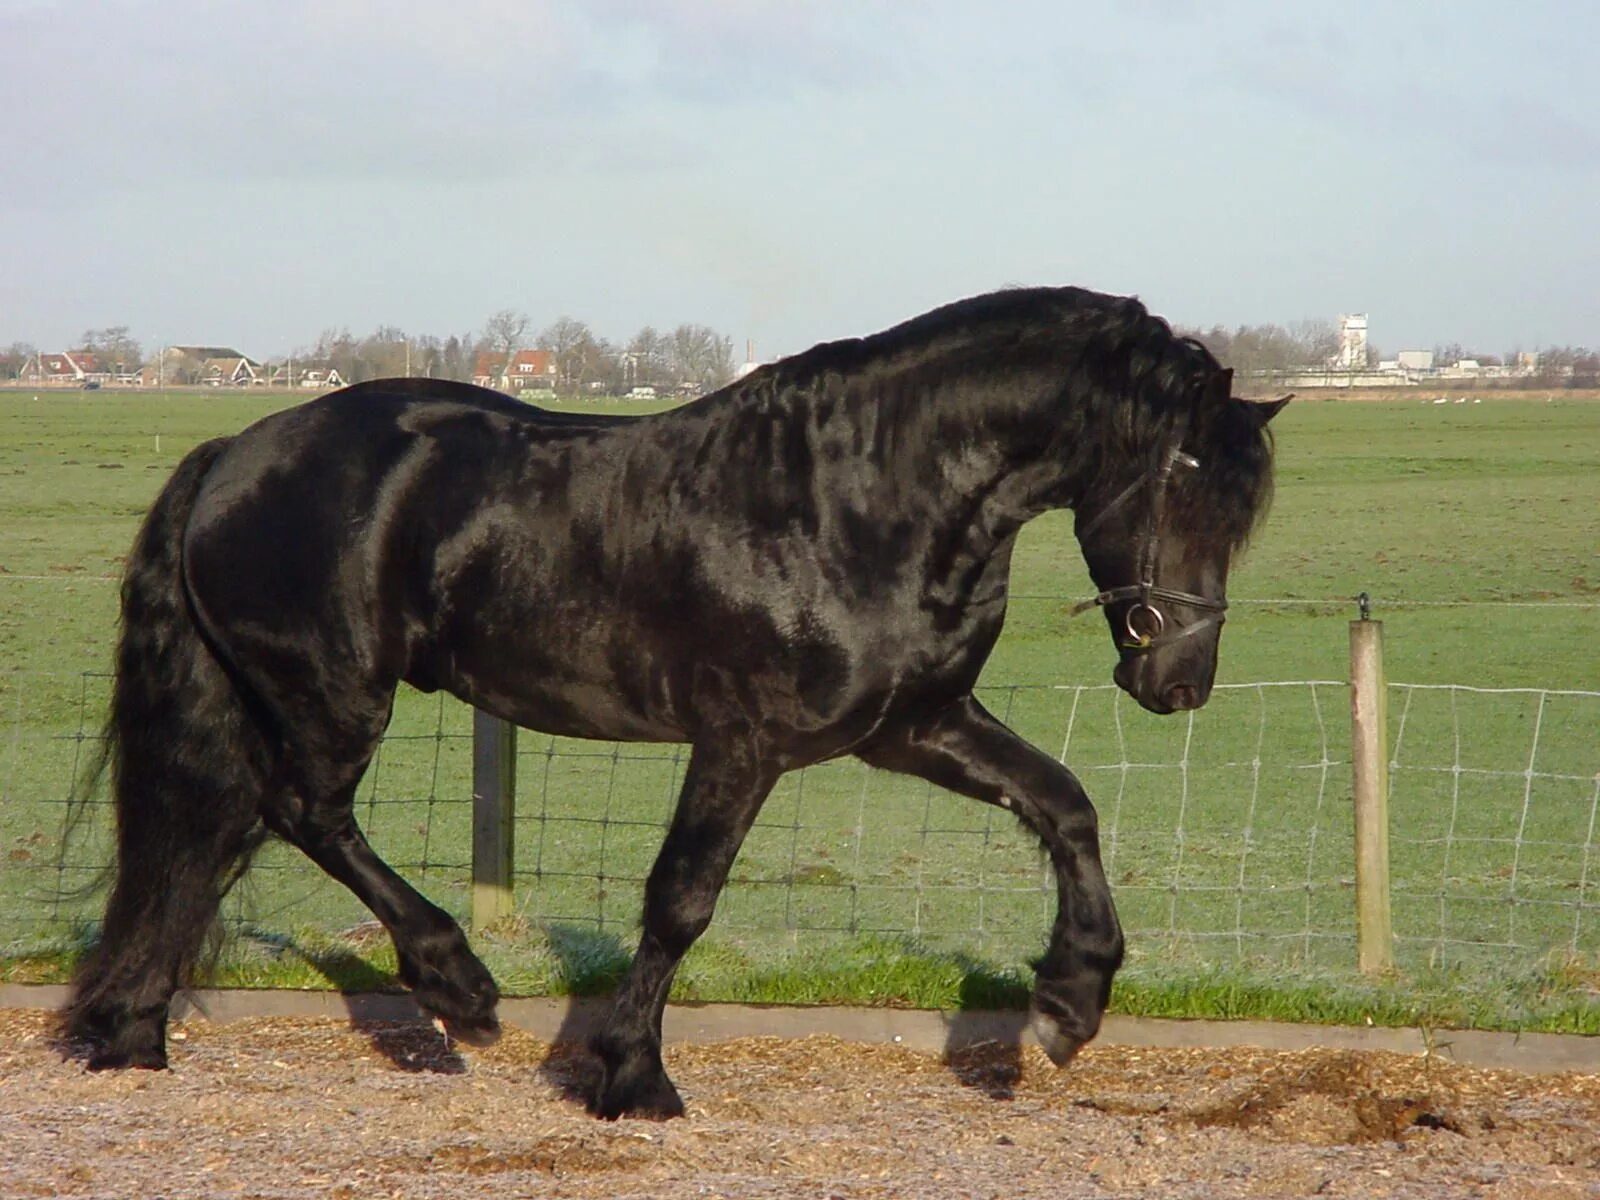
[
  {"x": 527, "y": 369},
  {"x": 321, "y": 377},
  {"x": 69, "y": 368},
  {"x": 231, "y": 371},
  {"x": 213, "y": 366}
]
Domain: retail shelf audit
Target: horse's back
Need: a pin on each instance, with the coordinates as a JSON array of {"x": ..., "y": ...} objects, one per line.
[{"x": 467, "y": 395}]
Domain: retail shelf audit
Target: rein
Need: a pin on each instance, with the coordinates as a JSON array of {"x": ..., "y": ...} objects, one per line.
[{"x": 1146, "y": 591}]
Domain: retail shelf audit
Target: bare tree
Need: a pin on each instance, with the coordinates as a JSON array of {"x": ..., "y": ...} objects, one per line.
[
  {"x": 701, "y": 357},
  {"x": 645, "y": 361},
  {"x": 579, "y": 355},
  {"x": 385, "y": 353},
  {"x": 505, "y": 333},
  {"x": 1313, "y": 341},
  {"x": 14, "y": 358},
  {"x": 338, "y": 350},
  {"x": 118, "y": 352},
  {"x": 1264, "y": 348},
  {"x": 455, "y": 358}
]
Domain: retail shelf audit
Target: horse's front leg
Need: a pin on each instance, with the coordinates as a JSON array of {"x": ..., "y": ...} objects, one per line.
[
  {"x": 967, "y": 750},
  {"x": 723, "y": 790}
]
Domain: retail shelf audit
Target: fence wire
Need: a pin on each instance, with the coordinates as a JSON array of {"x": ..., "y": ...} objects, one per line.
[{"x": 1226, "y": 833}]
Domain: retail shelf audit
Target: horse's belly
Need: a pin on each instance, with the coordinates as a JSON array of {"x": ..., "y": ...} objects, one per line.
[
  {"x": 587, "y": 712},
  {"x": 568, "y": 707}
]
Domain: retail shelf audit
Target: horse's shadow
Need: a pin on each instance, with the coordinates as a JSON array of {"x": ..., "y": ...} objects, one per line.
[
  {"x": 591, "y": 963},
  {"x": 382, "y": 1012},
  {"x": 983, "y": 1037}
]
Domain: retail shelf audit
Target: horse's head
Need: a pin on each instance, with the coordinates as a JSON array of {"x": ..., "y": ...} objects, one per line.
[{"x": 1159, "y": 537}]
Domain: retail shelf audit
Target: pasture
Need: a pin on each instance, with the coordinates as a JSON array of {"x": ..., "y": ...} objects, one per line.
[{"x": 1475, "y": 527}]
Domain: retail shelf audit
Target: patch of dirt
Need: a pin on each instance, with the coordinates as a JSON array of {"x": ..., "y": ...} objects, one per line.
[{"x": 281, "y": 1108}]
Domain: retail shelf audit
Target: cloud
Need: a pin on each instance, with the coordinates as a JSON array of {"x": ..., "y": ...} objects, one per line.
[{"x": 355, "y": 89}]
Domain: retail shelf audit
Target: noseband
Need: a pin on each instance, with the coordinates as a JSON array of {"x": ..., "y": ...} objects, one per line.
[{"x": 1146, "y": 591}]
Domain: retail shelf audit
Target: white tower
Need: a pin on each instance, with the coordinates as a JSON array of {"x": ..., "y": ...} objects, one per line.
[{"x": 1352, "y": 354}]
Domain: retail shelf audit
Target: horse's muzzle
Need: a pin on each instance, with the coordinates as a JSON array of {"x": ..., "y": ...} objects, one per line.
[{"x": 1158, "y": 691}]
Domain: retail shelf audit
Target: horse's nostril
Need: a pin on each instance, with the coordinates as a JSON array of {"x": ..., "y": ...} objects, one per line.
[{"x": 1182, "y": 696}]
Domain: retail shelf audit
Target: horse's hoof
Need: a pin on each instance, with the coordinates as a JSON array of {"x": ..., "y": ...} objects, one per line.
[
  {"x": 655, "y": 1100},
  {"x": 1061, "y": 1047},
  {"x": 118, "y": 1060},
  {"x": 474, "y": 1031}
]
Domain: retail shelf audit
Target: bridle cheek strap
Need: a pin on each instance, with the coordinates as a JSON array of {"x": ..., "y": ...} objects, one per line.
[{"x": 1146, "y": 591}]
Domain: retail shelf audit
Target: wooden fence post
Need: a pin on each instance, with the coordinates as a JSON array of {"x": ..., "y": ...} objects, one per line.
[
  {"x": 1369, "y": 769},
  {"x": 494, "y": 810}
]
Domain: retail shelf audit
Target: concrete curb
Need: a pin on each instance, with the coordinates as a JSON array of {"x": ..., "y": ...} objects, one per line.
[{"x": 571, "y": 1019}]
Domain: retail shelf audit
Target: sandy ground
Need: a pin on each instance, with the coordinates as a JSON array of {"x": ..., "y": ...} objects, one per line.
[{"x": 302, "y": 1108}]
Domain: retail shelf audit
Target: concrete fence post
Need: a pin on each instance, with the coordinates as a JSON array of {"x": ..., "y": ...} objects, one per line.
[
  {"x": 494, "y": 810},
  {"x": 1369, "y": 755}
]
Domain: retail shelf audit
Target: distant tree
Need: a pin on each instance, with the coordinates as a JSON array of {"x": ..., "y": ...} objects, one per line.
[
  {"x": 14, "y": 358},
  {"x": 503, "y": 335},
  {"x": 578, "y": 354},
  {"x": 335, "y": 348},
  {"x": 1256, "y": 349},
  {"x": 609, "y": 371},
  {"x": 426, "y": 350},
  {"x": 1315, "y": 342},
  {"x": 646, "y": 360},
  {"x": 384, "y": 353},
  {"x": 116, "y": 350},
  {"x": 455, "y": 358},
  {"x": 1568, "y": 366},
  {"x": 700, "y": 357}
]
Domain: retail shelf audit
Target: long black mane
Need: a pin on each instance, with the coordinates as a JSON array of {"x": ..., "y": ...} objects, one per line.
[{"x": 1125, "y": 378}]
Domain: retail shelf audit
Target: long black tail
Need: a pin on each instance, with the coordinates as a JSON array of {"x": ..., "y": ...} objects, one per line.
[{"x": 189, "y": 766}]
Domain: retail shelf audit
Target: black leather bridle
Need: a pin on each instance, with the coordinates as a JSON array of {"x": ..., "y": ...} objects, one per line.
[{"x": 1147, "y": 591}]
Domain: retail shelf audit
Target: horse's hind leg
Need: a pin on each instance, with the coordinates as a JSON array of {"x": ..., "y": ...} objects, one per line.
[
  {"x": 171, "y": 877},
  {"x": 722, "y": 793},
  {"x": 444, "y": 976}
]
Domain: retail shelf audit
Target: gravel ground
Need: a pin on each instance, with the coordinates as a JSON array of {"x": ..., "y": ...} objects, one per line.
[{"x": 300, "y": 1108}]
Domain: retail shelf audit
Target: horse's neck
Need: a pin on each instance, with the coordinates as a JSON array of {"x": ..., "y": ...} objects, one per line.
[
  {"x": 969, "y": 463},
  {"x": 977, "y": 448}
]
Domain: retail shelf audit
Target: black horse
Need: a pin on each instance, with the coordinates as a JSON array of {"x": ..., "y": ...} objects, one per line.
[{"x": 808, "y": 563}]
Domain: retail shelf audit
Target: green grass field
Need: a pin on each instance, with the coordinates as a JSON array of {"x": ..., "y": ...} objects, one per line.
[{"x": 1475, "y": 527}]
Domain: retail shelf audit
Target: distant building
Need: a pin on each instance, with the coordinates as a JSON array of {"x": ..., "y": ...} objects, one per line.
[
  {"x": 323, "y": 376},
  {"x": 231, "y": 371},
  {"x": 750, "y": 364},
  {"x": 528, "y": 369},
  {"x": 1415, "y": 360},
  {"x": 213, "y": 366},
  {"x": 1352, "y": 353},
  {"x": 68, "y": 368}
]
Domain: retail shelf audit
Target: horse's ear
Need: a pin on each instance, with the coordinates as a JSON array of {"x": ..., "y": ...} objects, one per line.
[{"x": 1263, "y": 411}]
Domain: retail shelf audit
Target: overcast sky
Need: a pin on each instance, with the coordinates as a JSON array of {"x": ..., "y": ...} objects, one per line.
[{"x": 252, "y": 173}]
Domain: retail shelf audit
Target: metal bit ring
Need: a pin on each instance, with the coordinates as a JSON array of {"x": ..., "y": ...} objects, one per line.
[{"x": 1134, "y": 635}]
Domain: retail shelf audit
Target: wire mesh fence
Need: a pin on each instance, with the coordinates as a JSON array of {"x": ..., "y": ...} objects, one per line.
[{"x": 1226, "y": 833}]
